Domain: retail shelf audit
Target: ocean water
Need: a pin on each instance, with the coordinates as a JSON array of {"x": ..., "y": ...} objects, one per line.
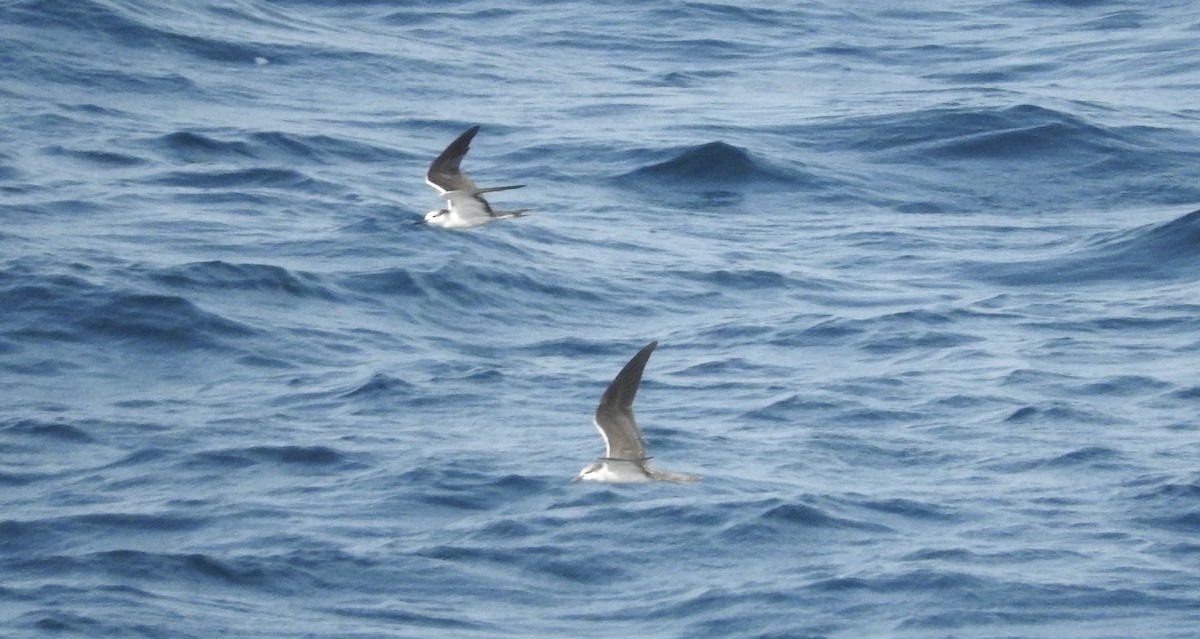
[{"x": 925, "y": 281}]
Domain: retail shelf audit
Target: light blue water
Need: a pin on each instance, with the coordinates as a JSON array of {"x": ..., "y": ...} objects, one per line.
[{"x": 925, "y": 282}]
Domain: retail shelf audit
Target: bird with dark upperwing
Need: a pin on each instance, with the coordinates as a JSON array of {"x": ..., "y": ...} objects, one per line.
[
  {"x": 625, "y": 457},
  {"x": 465, "y": 206}
]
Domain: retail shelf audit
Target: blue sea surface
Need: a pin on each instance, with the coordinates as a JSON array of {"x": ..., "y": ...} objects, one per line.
[{"x": 925, "y": 277}]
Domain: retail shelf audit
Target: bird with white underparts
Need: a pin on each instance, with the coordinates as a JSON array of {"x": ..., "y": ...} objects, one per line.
[
  {"x": 625, "y": 459},
  {"x": 465, "y": 206}
]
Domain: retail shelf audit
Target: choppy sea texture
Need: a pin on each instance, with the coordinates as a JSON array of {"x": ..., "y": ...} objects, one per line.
[{"x": 924, "y": 278}]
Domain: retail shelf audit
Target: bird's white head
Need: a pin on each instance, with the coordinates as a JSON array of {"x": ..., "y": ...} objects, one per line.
[
  {"x": 440, "y": 217},
  {"x": 589, "y": 472}
]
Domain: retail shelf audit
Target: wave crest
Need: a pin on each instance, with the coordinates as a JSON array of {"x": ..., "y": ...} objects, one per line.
[
  {"x": 1159, "y": 251},
  {"x": 713, "y": 162}
]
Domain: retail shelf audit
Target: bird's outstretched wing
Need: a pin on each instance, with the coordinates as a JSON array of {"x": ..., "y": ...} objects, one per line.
[
  {"x": 444, "y": 173},
  {"x": 614, "y": 416}
]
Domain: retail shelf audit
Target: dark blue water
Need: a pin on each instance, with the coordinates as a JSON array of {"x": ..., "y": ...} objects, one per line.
[{"x": 926, "y": 282}]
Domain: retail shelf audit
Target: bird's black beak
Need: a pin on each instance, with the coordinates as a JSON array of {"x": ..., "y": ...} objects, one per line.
[{"x": 418, "y": 222}]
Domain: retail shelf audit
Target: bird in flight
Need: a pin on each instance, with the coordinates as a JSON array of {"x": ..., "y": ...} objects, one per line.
[
  {"x": 625, "y": 457},
  {"x": 465, "y": 206}
]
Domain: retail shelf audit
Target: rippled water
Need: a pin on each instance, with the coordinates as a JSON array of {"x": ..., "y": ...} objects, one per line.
[{"x": 924, "y": 281}]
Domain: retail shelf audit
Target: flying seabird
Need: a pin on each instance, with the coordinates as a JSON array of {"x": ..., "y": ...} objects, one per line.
[
  {"x": 465, "y": 206},
  {"x": 625, "y": 457}
]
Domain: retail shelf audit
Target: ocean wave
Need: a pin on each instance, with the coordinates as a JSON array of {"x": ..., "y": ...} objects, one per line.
[
  {"x": 1058, "y": 412},
  {"x": 9, "y": 173},
  {"x": 1090, "y": 456},
  {"x": 922, "y": 330},
  {"x": 1058, "y": 157},
  {"x": 713, "y": 163},
  {"x": 42, "y": 536},
  {"x": 262, "y": 177},
  {"x": 57, "y": 430},
  {"x": 195, "y": 568},
  {"x": 1123, "y": 385},
  {"x": 106, "y": 159},
  {"x": 392, "y": 617},
  {"x": 66, "y": 308},
  {"x": 1021, "y": 131},
  {"x": 312, "y": 456},
  {"x": 380, "y": 385},
  {"x": 193, "y": 146},
  {"x": 577, "y": 566},
  {"x": 911, "y": 509},
  {"x": 1168, "y": 250},
  {"x": 920, "y": 580},
  {"x": 1171, "y": 504},
  {"x": 392, "y": 281},
  {"x": 135, "y": 28},
  {"x": 770, "y": 519},
  {"x": 789, "y": 408},
  {"x": 167, "y": 319},
  {"x": 457, "y": 489},
  {"x": 576, "y": 347},
  {"x": 1176, "y": 241},
  {"x": 740, "y": 279},
  {"x": 188, "y": 146},
  {"x": 219, "y": 275},
  {"x": 470, "y": 286}
]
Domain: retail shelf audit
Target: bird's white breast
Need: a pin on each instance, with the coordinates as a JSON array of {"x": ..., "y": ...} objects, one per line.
[{"x": 615, "y": 472}]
